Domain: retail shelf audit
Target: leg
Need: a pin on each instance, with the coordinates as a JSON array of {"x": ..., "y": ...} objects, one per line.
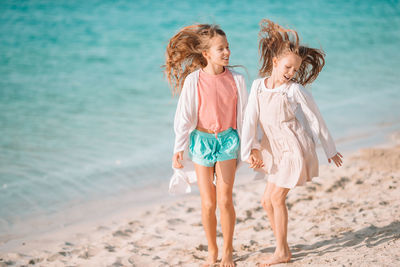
[
  {"x": 225, "y": 171},
  {"x": 205, "y": 177},
  {"x": 267, "y": 205},
  {"x": 282, "y": 252}
]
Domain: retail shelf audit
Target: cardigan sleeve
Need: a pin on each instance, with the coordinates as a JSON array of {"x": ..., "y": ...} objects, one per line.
[
  {"x": 249, "y": 132},
  {"x": 184, "y": 116},
  {"x": 242, "y": 102},
  {"x": 314, "y": 118},
  {"x": 244, "y": 94}
]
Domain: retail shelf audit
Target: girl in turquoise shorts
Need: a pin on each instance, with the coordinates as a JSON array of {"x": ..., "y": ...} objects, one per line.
[{"x": 207, "y": 126}]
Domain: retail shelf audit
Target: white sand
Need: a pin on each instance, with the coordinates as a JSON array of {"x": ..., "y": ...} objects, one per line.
[{"x": 350, "y": 216}]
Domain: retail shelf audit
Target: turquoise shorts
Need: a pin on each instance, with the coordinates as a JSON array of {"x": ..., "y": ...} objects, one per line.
[{"x": 206, "y": 149}]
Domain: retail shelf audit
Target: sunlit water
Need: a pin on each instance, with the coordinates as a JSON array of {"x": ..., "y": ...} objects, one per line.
[{"x": 86, "y": 113}]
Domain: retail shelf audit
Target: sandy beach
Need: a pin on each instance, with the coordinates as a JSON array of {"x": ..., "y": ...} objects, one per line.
[{"x": 348, "y": 216}]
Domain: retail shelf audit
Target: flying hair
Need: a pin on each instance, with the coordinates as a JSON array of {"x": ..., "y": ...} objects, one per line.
[
  {"x": 276, "y": 41},
  {"x": 184, "y": 52}
]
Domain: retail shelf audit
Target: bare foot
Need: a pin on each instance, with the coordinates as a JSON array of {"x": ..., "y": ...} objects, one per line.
[
  {"x": 275, "y": 259},
  {"x": 208, "y": 263},
  {"x": 211, "y": 259},
  {"x": 226, "y": 260}
]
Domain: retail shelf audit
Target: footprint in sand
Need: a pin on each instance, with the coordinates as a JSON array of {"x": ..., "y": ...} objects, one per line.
[
  {"x": 117, "y": 263},
  {"x": 109, "y": 248},
  {"x": 239, "y": 220},
  {"x": 64, "y": 253},
  {"x": 102, "y": 228},
  {"x": 88, "y": 252},
  {"x": 34, "y": 261},
  {"x": 198, "y": 257},
  {"x": 9, "y": 263},
  {"x": 190, "y": 209},
  {"x": 258, "y": 227},
  {"x": 359, "y": 181},
  {"x": 244, "y": 247},
  {"x": 175, "y": 221},
  {"x": 131, "y": 260},
  {"x": 311, "y": 188},
  {"x": 249, "y": 215},
  {"x": 132, "y": 223},
  {"x": 338, "y": 184},
  {"x": 54, "y": 257},
  {"x": 120, "y": 233},
  {"x": 202, "y": 247}
]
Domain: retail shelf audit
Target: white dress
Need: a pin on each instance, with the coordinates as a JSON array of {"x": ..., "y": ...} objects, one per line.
[{"x": 288, "y": 150}]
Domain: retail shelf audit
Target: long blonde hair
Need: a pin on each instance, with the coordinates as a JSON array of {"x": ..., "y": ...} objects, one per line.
[
  {"x": 184, "y": 52},
  {"x": 276, "y": 41}
]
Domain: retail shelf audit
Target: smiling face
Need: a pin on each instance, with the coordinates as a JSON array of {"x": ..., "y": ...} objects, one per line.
[
  {"x": 218, "y": 52},
  {"x": 285, "y": 67}
]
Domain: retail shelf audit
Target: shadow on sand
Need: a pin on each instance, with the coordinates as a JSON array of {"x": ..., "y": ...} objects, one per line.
[{"x": 370, "y": 236}]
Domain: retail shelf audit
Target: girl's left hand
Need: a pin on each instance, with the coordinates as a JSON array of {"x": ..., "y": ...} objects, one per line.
[
  {"x": 255, "y": 159},
  {"x": 337, "y": 159}
]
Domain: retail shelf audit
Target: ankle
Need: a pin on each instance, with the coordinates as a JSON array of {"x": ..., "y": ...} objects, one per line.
[
  {"x": 212, "y": 249},
  {"x": 227, "y": 250},
  {"x": 282, "y": 251}
]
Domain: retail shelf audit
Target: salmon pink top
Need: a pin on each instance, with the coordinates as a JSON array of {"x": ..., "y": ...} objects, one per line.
[{"x": 217, "y": 101}]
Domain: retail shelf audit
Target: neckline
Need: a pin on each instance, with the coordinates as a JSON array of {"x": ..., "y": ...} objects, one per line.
[
  {"x": 273, "y": 89},
  {"x": 214, "y": 75}
]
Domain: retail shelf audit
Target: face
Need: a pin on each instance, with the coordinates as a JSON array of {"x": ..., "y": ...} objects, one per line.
[
  {"x": 285, "y": 67},
  {"x": 218, "y": 53}
]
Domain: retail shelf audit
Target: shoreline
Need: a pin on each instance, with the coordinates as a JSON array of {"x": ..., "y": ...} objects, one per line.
[
  {"x": 157, "y": 192},
  {"x": 169, "y": 213},
  {"x": 77, "y": 218}
]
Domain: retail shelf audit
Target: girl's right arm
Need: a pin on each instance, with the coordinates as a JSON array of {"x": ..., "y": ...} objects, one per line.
[
  {"x": 184, "y": 119},
  {"x": 249, "y": 142},
  {"x": 317, "y": 124}
]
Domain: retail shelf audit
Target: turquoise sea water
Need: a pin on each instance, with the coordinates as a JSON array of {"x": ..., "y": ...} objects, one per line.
[{"x": 86, "y": 114}]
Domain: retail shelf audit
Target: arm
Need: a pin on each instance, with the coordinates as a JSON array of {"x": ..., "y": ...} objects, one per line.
[
  {"x": 242, "y": 100},
  {"x": 255, "y": 158},
  {"x": 245, "y": 96},
  {"x": 184, "y": 118},
  {"x": 317, "y": 124},
  {"x": 249, "y": 132}
]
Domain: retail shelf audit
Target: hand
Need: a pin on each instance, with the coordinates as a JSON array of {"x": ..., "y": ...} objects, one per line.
[
  {"x": 255, "y": 159},
  {"x": 337, "y": 159},
  {"x": 176, "y": 158}
]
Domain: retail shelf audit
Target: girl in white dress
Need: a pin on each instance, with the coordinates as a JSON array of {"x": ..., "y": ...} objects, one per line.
[{"x": 286, "y": 152}]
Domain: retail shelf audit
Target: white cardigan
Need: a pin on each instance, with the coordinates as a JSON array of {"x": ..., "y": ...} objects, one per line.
[
  {"x": 186, "y": 121},
  {"x": 306, "y": 111}
]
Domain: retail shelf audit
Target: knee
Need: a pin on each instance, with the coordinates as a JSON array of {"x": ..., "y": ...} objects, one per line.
[
  {"x": 225, "y": 204},
  {"x": 278, "y": 200},
  {"x": 266, "y": 204},
  {"x": 208, "y": 206}
]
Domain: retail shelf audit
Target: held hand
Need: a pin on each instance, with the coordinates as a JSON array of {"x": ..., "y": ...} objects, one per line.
[
  {"x": 337, "y": 159},
  {"x": 176, "y": 158},
  {"x": 255, "y": 159}
]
